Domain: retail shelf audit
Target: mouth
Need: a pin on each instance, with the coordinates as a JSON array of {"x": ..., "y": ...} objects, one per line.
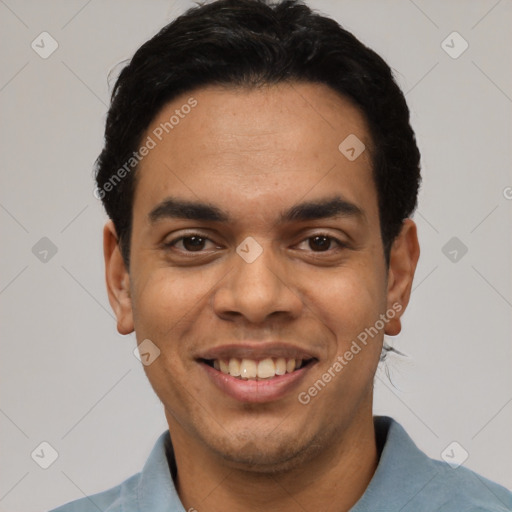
[
  {"x": 258, "y": 369},
  {"x": 256, "y": 372}
]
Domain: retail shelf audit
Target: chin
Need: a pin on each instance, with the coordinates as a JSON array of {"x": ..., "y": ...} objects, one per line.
[{"x": 266, "y": 454}]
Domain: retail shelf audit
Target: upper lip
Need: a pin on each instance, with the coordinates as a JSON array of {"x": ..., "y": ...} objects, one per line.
[{"x": 256, "y": 350}]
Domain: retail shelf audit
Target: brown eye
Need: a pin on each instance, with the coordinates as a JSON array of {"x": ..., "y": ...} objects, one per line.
[
  {"x": 319, "y": 243},
  {"x": 193, "y": 243}
]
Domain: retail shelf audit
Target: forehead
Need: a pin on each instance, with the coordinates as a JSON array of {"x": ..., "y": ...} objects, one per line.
[{"x": 259, "y": 148}]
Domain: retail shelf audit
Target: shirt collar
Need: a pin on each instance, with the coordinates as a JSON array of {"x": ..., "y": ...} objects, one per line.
[
  {"x": 402, "y": 472},
  {"x": 156, "y": 490}
]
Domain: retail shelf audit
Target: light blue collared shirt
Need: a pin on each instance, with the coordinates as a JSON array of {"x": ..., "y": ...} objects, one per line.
[{"x": 406, "y": 480}]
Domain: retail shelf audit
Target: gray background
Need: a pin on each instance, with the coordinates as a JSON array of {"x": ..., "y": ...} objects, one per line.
[{"x": 69, "y": 379}]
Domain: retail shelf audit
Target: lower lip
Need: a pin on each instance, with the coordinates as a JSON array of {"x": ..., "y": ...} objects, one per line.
[{"x": 256, "y": 391}]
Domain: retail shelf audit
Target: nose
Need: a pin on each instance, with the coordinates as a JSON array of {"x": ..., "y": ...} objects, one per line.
[{"x": 257, "y": 291}]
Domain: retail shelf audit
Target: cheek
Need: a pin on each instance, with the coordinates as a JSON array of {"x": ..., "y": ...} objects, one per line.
[
  {"x": 164, "y": 303},
  {"x": 347, "y": 301}
]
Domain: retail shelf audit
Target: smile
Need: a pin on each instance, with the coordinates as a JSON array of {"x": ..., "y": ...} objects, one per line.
[
  {"x": 256, "y": 372},
  {"x": 252, "y": 369}
]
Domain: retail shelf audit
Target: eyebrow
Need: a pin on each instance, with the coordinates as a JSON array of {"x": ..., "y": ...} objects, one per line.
[
  {"x": 307, "y": 211},
  {"x": 322, "y": 209},
  {"x": 183, "y": 209}
]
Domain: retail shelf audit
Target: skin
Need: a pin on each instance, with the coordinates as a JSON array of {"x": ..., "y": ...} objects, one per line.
[{"x": 254, "y": 153}]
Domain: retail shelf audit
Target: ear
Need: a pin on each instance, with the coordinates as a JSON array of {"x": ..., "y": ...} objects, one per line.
[
  {"x": 403, "y": 259},
  {"x": 118, "y": 280}
]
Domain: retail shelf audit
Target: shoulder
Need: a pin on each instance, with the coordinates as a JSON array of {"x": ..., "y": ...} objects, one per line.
[
  {"x": 151, "y": 489},
  {"x": 408, "y": 480},
  {"x": 467, "y": 490},
  {"x": 110, "y": 500}
]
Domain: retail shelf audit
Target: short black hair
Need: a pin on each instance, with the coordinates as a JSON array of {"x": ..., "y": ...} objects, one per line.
[{"x": 251, "y": 43}]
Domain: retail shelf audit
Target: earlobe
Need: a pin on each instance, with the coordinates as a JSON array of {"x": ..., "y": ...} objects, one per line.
[
  {"x": 403, "y": 259},
  {"x": 117, "y": 280}
]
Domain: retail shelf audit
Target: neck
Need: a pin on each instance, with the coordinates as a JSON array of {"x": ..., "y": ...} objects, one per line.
[{"x": 334, "y": 479}]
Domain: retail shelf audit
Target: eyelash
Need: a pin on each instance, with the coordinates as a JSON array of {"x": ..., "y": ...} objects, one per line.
[{"x": 172, "y": 243}]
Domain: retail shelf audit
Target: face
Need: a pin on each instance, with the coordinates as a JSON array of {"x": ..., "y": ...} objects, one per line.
[{"x": 255, "y": 248}]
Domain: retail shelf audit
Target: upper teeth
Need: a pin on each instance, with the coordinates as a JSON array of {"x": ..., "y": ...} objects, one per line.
[{"x": 250, "y": 368}]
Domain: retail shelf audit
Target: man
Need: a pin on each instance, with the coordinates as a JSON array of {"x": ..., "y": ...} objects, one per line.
[{"x": 260, "y": 171}]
